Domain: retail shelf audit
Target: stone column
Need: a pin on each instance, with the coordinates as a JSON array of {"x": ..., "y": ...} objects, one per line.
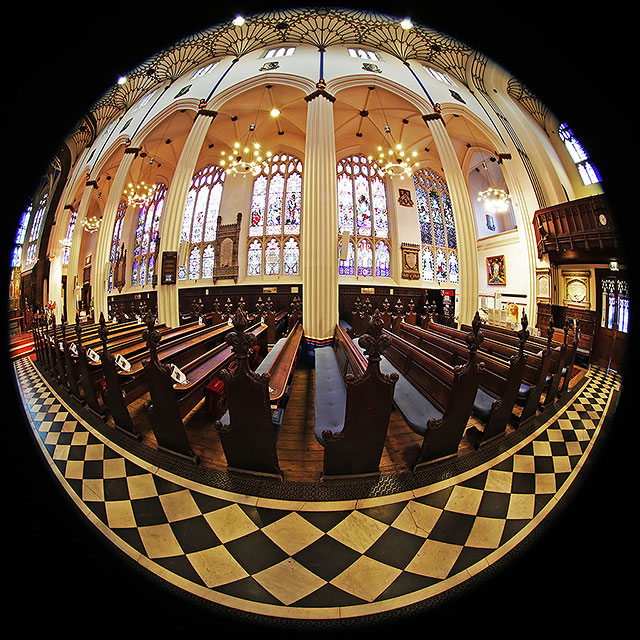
[
  {"x": 74, "y": 270},
  {"x": 99, "y": 269},
  {"x": 171, "y": 221},
  {"x": 463, "y": 216},
  {"x": 319, "y": 253}
]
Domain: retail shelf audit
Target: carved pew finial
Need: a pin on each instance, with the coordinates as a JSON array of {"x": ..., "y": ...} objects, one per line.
[
  {"x": 475, "y": 337},
  {"x": 151, "y": 335},
  {"x": 103, "y": 331},
  {"x": 241, "y": 342},
  {"x": 374, "y": 342},
  {"x": 549, "y": 333},
  {"x": 523, "y": 334}
]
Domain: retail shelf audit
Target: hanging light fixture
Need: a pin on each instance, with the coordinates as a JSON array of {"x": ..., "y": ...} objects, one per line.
[
  {"x": 246, "y": 156},
  {"x": 138, "y": 194},
  {"x": 393, "y": 158},
  {"x": 92, "y": 224},
  {"x": 495, "y": 200}
]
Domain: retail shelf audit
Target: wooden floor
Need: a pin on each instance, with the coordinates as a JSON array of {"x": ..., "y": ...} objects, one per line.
[{"x": 299, "y": 453}]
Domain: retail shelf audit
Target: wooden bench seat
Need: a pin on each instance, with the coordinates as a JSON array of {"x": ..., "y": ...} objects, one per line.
[
  {"x": 353, "y": 400},
  {"x": 247, "y": 431},
  {"x": 434, "y": 397},
  {"x": 499, "y": 382}
]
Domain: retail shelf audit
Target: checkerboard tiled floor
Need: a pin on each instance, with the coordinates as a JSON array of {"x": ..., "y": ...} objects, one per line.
[{"x": 313, "y": 559}]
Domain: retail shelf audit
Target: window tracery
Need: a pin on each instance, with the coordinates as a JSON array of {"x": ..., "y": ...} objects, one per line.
[
  {"x": 362, "y": 212},
  {"x": 144, "y": 246},
  {"x": 275, "y": 218},
  {"x": 439, "y": 257},
  {"x": 200, "y": 222}
]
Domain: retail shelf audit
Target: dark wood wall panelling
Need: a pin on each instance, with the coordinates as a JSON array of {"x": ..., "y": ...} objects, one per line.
[
  {"x": 348, "y": 294},
  {"x": 133, "y": 303},
  {"x": 281, "y": 297},
  {"x": 585, "y": 317}
]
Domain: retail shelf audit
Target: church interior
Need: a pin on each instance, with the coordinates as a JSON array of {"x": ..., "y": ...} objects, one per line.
[{"x": 319, "y": 319}]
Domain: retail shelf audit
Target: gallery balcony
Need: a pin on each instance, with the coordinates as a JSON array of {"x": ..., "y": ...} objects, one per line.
[{"x": 577, "y": 231}]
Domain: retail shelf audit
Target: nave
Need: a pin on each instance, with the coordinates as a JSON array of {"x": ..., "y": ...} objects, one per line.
[{"x": 347, "y": 552}]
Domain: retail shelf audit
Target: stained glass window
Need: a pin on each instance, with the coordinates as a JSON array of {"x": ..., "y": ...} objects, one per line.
[
  {"x": 254, "y": 259},
  {"x": 272, "y": 258},
  {"x": 437, "y": 228},
  {"x": 36, "y": 226},
  {"x": 116, "y": 239},
  {"x": 362, "y": 211},
  {"x": 383, "y": 259},
  {"x": 146, "y": 235},
  {"x": 347, "y": 267},
  {"x": 365, "y": 258},
  {"x": 200, "y": 220},
  {"x": 208, "y": 256},
  {"x": 16, "y": 255},
  {"x": 291, "y": 258},
  {"x": 588, "y": 173},
  {"x": 66, "y": 248},
  {"x": 428, "y": 271},
  {"x": 275, "y": 217}
]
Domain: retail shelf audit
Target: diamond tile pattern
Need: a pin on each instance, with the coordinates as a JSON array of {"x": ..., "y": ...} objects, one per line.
[{"x": 321, "y": 557}]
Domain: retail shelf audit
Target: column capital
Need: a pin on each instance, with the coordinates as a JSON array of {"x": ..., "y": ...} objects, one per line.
[
  {"x": 320, "y": 91},
  {"x": 429, "y": 117}
]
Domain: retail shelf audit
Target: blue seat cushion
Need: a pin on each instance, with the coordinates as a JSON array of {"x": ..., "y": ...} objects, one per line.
[
  {"x": 482, "y": 404},
  {"x": 330, "y": 394},
  {"x": 271, "y": 356},
  {"x": 524, "y": 390},
  {"x": 416, "y": 409}
]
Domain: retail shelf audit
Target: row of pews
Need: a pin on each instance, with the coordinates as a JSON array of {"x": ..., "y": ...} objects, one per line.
[
  {"x": 438, "y": 377},
  {"x": 108, "y": 366}
]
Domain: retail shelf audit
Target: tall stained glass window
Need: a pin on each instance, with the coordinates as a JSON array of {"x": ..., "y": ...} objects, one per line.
[
  {"x": 66, "y": 247},
  {"x": 275, "y": 218},
  {"x": 362, "y": 212},
  {"x": 588, "y": 173},
  {"x": 200, "y": 222},
  {"x": 36, "y": 227},
  {"x": 144, "y": 246},
  {"x": 116, "y": 240},
  {"x": 16, "y": 255},
  {"x": 437, "y": 228}
]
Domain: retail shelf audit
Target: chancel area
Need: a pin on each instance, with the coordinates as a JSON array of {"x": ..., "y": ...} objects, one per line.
[{"x": 336, "y": 293}]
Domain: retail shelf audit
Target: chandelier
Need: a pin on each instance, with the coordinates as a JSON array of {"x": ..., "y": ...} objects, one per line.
[
  {"x": 495, "y": 200},
  {"x": 244, "y": 160},
  {"x": 246, "y": 157},
  {"x": 138, "y": 194},
  {"x": 91, "y": 224},
  {"x": 395, "y": 161}
]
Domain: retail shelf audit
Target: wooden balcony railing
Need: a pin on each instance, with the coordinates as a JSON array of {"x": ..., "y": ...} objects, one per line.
[{"x": 580, "y": 225}]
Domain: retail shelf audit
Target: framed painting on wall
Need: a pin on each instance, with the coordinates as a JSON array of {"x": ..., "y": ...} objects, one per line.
[{"x": 496, "y": 270}]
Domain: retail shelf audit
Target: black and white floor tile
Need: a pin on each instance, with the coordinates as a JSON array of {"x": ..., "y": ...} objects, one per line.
[{"x": 316, "y": 560}]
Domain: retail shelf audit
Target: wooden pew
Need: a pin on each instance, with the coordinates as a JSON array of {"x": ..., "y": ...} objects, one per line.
[
  {"x": 181, "y": 347},
  {"x": 247, "y": 431},
  {"x": 448, "y": 392},
  {"x": 536, "y": 376},
  {"x": 499, "y": 381},
  {"x": 353, "y": 403}
]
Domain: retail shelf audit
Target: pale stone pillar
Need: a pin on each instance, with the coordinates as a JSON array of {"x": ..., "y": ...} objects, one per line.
[
  {"x": 99, "y": 269},
  {"x": 463, "y": 216},
  {"x": 319, "y": 254},
  {"x": 171, "y": 221},
  {"x": 73, "y": 267}
]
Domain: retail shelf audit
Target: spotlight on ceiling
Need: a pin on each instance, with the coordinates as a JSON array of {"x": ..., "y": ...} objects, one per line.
[
  {"x": 275, "y": 112},
  {"x": 122, "y": 79},
  {"x": 406, "y": 23},
  {"x": 238, "y": 21}
]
